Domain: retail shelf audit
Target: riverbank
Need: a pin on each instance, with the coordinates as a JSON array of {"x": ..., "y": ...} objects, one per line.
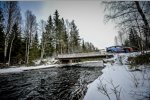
[
  {"x": 119, "y": 82},
  {"x": 14, "y": 69}
]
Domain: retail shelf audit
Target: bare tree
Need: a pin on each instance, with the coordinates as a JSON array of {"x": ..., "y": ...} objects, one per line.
[
  {"x": 30, "y": 28},
  {"x": 11, "y": 43},
  {"x": 11, "y": 14},
  {"x": 143, "y": 16},
  {"x": 127, "y": 13}
]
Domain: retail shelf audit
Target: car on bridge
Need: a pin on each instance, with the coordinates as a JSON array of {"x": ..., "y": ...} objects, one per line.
[{"x": 115, "y": 49}]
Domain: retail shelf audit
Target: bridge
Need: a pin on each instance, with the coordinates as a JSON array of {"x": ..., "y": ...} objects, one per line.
[{"x": 69, "y": 58}]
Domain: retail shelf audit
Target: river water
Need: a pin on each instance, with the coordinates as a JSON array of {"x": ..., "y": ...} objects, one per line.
[{"x": 65, "y": 83}]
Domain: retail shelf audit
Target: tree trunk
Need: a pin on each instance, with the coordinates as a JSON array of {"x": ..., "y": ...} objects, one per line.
[
  {"x": 140, "y": 40},
  {"x": 6, "y": 47},
  {"x": 10, "y": 49},
  {"x": 142, "y": 13},
  {"x": 28, "y": 50},
  {"x": 5, "y": 50},
  {"x": 144, "y": 20},
  {"x": 42, "y": 51}
]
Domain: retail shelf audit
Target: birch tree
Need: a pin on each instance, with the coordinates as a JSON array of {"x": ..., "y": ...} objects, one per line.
[
  {"x": 1, "y": 37},
  {"x": 30, "y": 28},
  {"x": 13, "y": 35},
  {"x": 11, "y": 14}
]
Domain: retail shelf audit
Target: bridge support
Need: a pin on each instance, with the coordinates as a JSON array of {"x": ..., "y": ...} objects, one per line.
[{"x": 67, "y": 61}]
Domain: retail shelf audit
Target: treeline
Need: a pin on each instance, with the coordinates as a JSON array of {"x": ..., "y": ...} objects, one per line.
[
  {"x": 132, "y": 19},
  {"x": 21, "y": 42}
]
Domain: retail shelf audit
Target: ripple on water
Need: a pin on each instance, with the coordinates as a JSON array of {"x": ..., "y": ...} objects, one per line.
[{"x": 67, "y": 83}]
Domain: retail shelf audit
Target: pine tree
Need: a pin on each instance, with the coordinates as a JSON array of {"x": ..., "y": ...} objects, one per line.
[
  {"x": 134, "y": 38},
  {"x": 64, "y": 37},
  {"x": 49, "y": 46},
  {"x": 127, "y": 42},
  {"x": 57, "y": 32},
  {"x": 34, "y": 51},
  {"x": 83, "y": 46},
  {"x": 74, "y": 37}
]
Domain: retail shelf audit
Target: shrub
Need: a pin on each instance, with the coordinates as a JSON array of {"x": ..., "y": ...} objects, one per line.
[{"x": 140, "y": 59}]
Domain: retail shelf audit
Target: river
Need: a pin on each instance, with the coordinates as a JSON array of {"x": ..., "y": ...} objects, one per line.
[{"x": 58, "y": 83}]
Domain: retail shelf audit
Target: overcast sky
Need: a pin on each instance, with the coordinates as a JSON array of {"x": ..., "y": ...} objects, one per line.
[{"x": 88, "y": 16}]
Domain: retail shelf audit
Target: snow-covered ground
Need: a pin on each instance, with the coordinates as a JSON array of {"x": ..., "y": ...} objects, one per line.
[
  {"x": 23, "y": 68},
  {"x": 118, "y": 82},
  {"x": 47, "y": 63}
]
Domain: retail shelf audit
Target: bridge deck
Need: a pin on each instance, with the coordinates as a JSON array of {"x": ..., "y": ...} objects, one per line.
[{"x": 83, "y": 55}]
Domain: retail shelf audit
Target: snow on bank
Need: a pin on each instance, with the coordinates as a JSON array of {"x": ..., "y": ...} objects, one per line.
[
  {"x": 47, "y": 63},
  {"x": 21, "y": 69},
  {"x": 122, "y": 57},
  {"x": 117, "y": 78}
]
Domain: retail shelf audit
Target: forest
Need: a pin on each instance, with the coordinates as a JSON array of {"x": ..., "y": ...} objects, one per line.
[{"x": 21, "y": 42}]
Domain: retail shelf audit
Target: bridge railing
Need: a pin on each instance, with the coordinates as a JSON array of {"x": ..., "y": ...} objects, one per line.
[{"x": 81, "y": 55}]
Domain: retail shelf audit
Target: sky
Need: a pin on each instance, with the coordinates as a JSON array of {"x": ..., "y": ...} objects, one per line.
[{"x": 88, "y": 16}]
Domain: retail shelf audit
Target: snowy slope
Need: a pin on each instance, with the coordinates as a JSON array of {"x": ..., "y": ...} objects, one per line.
[{"x": 129, "y": 85}]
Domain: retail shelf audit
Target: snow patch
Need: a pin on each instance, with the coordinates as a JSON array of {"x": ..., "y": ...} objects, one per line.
[{"x": 46, "y": 61}]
